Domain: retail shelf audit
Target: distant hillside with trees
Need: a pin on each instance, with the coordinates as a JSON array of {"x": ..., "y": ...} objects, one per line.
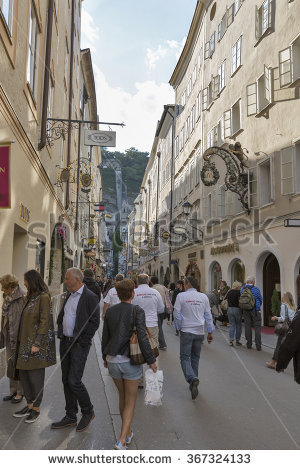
[{"x": 133, "y": 164}]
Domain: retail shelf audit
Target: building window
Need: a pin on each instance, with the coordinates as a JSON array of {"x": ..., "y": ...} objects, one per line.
[
  {"x": 289, "y": 64},
  {"x": 6, "y": 8},
  {"x": 197, "y": 178},
  {"x": 237, "y": 5},
  {"x": 253, "y": 199},
  {"x": 194, "y": 77},
  {"x": 265, "y": 183},
  {"x": 181, "y": 139},
  {"x": 50, "y": 97},
  {"x": 297, "y": 166},
  {"x": 222, "y": 27},
  {"x": 193, "y": 118},
  {"x": 263, "y": 18},
  {"x": 221, "y": 202},
  {"x": 187, "y": 129},
  {"x": 210, "y": 46},
  {"x": 259, "y": 94},
  {"x": 230, "y": 15},
  {"x": 200, "y": 58},
  {"x": 236, "y": 117},
  {"x": 176, "y": 146},
  {"x": 227, "y": 123},
  {"x": 204, "y": 98},
  {"x": 198, "y": 106},
  {"x": 210, "y": 138},
  {"x": 287, "y": 173},
  {"x": 221, "y": 77},
  {"x": 236, "y": 55},
  {"x": 183, "y": 99},
  {"x": 189, "y": 87},
  {"x": 33, "y": 51},
  {"x": 186, "y": 183},
  {"x": 192, "y": 176}
]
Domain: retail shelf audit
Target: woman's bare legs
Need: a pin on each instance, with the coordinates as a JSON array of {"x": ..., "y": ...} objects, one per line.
[{"x": 127, "y": 397}]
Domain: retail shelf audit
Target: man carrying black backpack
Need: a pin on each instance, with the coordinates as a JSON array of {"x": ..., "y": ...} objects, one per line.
[{"x": 250, "y": 302}]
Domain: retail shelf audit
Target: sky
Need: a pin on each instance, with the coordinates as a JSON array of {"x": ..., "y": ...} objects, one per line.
[{"x": 135, "y": 45}]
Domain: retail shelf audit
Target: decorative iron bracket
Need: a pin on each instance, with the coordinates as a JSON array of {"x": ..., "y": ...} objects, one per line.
[
  {"x": 57, "y": 128},
  {"x": 236, "y": 178}
]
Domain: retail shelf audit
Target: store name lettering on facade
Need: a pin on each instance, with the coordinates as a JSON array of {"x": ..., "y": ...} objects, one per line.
[
  {"x": 225, "y": 249},
  {"x": 24, "y": 213}
]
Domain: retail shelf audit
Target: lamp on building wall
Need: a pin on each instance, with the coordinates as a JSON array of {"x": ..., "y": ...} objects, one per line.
[{"x": 259, "y": 152}]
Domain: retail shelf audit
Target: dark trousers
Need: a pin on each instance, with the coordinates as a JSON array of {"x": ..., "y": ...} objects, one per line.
[
  {"x": 252, "y": 318},
  {"x": 33, "y": 385},
  {"x": 73, "y": 358},
  {"x": 279, "y": 341},
  {"x": 161, "y": 338}
]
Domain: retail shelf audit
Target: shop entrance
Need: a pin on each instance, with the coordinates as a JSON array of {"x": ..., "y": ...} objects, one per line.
[
  {"x": 20, "y": 253},
  {"x": 238, "y": 272},
  {"x": 271, "y": 281}
]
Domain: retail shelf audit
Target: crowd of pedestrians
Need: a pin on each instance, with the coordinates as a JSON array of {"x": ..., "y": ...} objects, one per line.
[{"x": 27, "y": 332}]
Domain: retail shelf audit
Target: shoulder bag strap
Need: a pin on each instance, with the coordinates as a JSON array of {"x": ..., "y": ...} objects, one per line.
[{"x": 134, "y": 316}]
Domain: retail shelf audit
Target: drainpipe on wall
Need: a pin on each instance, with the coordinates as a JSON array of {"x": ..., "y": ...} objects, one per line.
[
  {"x": 42, "y": 142},
  {"x": 172, "y": 183}
]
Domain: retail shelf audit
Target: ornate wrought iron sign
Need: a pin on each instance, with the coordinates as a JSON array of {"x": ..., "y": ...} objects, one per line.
[{"x": 236, "y": 178}]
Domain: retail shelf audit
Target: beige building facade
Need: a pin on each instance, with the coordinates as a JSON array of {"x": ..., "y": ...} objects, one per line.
[
  {"x": 237, "y": 80},
  {"x": 44, "y": 76}
]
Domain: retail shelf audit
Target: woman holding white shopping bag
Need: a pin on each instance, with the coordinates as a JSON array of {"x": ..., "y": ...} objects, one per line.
[{"x": 117, "y": 330}]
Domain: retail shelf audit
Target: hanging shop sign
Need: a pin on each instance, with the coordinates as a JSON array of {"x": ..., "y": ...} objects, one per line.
[
  {"x": 4, "y": 177},
  {"x": 100, "y": 138},
  {"x": 231, "y": 248}
]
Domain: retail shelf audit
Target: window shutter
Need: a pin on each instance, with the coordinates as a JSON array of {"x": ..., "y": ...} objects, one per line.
[
  {"x": 287, "y": 171},
  {"x": 204, "y": 98},
  {"x": 257, "y": 23},
  {"x": 285, "y": 66},
  {"x": 252, "y": 99},
  {"x": 230, "y": 15},
  {"x": 216, "y": 80},
  {"x": 227, "y": 123},
  {"x": 206, "y": 50},
  {"x": 270, "y": 12},
  {"x": 268, "y": 84},
  {"x": 212, "y": 44}
]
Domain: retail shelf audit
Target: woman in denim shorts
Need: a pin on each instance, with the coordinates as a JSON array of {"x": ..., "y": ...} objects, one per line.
[{"x": 117, "y": 330}]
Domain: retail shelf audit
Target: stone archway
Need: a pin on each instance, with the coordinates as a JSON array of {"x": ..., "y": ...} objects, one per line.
[
  {"x": 236, "y": 271},
  {"x": 271, "y": 281}
]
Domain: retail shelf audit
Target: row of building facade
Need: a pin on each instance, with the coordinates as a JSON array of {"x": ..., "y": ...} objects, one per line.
[
  {"x": 46, "y": 88},
  {"x": 237, "y": 80}
]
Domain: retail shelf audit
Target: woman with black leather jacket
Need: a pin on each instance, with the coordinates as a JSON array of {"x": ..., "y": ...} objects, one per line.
[{"x": 117, "y": 330}]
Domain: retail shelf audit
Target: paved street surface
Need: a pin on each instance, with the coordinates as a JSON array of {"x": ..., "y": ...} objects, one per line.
[{"x": 241, "y": 405}]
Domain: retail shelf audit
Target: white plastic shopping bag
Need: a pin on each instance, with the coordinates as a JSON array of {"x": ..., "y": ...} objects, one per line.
[{"x": 154, "y": 386}]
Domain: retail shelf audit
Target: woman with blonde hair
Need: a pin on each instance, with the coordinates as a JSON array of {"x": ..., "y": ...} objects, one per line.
[
  {"x": 234, "y": 314},
  {"x": 287, "y": 311},
  {"x": 13, "y": 303}
]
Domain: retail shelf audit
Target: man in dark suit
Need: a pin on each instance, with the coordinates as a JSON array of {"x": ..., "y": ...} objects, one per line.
[{"x": 77, "y": 323}]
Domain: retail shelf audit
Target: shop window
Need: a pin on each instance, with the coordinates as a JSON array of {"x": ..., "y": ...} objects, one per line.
[
  {"x": 289, "y": 64},
  {"x": 265, "y": 183},
  {"x": 287, "y": 173},
  {"x": 236, "y": 55},
  {"x": 264, "y": 18}
]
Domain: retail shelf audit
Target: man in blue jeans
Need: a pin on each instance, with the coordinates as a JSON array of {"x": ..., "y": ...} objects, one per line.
[
  {"x": 253, "y": 317},
  {"x": 191, "y": 312}
]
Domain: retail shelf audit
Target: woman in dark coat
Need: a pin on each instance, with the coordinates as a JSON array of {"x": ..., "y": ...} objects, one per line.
[
  {"x": 117, "y": 330},
  {"x": 290, "y": 348},
  {"x": 36, "y": 344},
  {"x": 13, "y": 303}
]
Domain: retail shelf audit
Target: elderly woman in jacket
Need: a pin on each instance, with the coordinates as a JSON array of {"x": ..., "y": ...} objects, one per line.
[
  {"x": 36, "y": 344},
  {"x": 117, "y": 330},
  {"x": 13, "y": 303}
]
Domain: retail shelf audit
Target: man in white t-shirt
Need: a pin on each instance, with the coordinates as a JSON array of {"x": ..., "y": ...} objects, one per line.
[
  {"x": 111, "y": 297},
  {"x": 191, "y": 313}
]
